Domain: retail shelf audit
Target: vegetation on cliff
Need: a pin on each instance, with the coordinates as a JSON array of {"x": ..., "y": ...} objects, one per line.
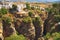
[{"x": 37, "y": 24}]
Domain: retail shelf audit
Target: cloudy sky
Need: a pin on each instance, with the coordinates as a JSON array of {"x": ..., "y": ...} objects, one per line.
[{"x": 36, "y": 0}]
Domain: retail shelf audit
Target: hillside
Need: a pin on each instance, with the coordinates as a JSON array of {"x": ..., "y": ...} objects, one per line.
[{"x": 35, "y": 22}]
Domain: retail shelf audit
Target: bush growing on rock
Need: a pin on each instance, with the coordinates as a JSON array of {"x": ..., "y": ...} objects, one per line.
[
  {"x": 28, "y": 6},
  {"x": 47, "y": 36},
  {"x": 37, "y": 20},
  {"x": 32, "y": 8},
  {"x": 54, "y": 36},
  {"x": 15, "y": 37},
  {"x": 27, "y": 20},
  {"x": 57, "y": 18},
  {"x": 30, "y": 14},
  {"x": 7, "y": 19},
  {"x": 39, "y": 11},
  {"x": 3, "y": 11}
]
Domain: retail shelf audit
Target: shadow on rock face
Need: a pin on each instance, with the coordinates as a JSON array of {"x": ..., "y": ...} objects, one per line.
[
  {"x": 0, "y": 39},
  {"x": 7, "y": 30},
  {"x": 57, "y": 28},
  {"x": 27, "y": 29}
]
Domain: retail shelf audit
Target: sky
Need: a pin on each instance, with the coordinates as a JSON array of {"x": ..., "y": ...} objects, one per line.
[
  {"x": 35, "y": 0},
  {"x": 44, "y": 0}
]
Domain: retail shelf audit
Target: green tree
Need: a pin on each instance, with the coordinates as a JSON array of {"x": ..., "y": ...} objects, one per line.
[
  {"x": 47, "y": 36},
  {"x": 30, "y": 14},
  {"x": 37, "y": 20},
  {"x": 8, "y": 20},
  {"x": 3, "y": 11},
  {"x": 32, "y": 8},
  {"x": 27, "y": 20},
  {"x": 56, "y": 6},
  {"x": 57, "y": 18},
  {"x": 15, "y": 37},
  {"x": 28, "y": 6},
  {"x": 14, "y": 7},
  {"x": 56, "y": 36}
]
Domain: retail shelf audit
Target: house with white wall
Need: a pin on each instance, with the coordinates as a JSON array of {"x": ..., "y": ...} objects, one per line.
[
  {"x": 20, "y": 7},
  {"x": 6, "y": 5},
  {"x": 0, "y": 6}
]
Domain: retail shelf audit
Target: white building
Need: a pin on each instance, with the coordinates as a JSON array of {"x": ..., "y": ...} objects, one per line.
[
  {"x": 0, "y": 6},
  {"x": 6, "y": 5},
  {"x": 20, "y": 7}
]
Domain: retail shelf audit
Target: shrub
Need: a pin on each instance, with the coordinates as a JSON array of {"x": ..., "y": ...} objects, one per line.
[
  {"x": 27, "y": 20},
  {"x": 28, "y": 6},
  {"x": 30, "y": 14},
  {"x": 15, "y": 37},
  {"x": 56, "y": 5},
  {"x": 3, "y": 11},
  {"x": 32, "y": 8},
  {"x": 47, "y": 36},
  {"x": 14, "y": 7},
  {"x": 37, "y": 20},
  {"x": 7, "y": 19},
  {"x": 39, "y": 11},
  {"x": 57, "y": 18},
  {"x": 56, "y": 36}
]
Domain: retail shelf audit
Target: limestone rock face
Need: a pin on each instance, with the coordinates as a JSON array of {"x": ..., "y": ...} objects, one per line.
[
  {"x": 27, "y": 30},
  {"x": 1, "y": 31},
  {"x": 38, "y": 30},
  {"x": 7, "y": 29}
]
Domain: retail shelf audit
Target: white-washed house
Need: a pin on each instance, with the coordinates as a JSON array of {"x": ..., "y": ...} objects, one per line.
[
  {"x": 20, "y": 7},
  {"x": 6, "y": 5},
  {"x": 0, "y": 6}
]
